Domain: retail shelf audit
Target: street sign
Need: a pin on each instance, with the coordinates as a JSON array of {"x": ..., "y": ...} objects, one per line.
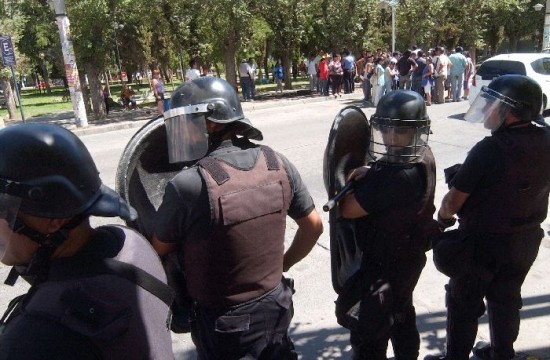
[{"x": 8, "y": 53}]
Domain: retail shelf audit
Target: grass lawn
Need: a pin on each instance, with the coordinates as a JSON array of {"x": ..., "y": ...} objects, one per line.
[{"x": 37, "y": 103}]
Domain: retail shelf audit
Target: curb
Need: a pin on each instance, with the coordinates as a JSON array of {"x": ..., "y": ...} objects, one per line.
[{"x": 64, "y": 119}]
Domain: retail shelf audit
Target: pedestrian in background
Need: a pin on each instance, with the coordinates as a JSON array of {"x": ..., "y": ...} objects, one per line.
[{"x": 158, "y": 91}]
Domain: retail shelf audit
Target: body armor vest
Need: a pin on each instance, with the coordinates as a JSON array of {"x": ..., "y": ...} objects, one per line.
[
  {"x": 242, "y": 257},
  {"x": 404, "y": 229},
  {"x": 121, "y": 319},
  {"x": 519, "y": 200}
]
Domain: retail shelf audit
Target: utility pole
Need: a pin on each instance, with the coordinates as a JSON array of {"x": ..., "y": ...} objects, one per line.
[
  {"x": 546, "y": 33},
  {"x": 71, "y": 70}
]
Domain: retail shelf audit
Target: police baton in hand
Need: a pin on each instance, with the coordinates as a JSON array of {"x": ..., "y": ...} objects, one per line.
[{"x": 330, "y": 204}]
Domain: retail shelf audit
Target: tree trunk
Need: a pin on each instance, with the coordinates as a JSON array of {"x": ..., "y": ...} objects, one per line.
[
  {"x": 513, "y": 43},
  {"x": 229, "y": 59},
  {"x": 85, "y": 90},
  {"x": 266, "y": 57},
  {"x": 96, "y": 94},
  {"x": 8, "y": 95},
  {"x": 286, "y": 68}
]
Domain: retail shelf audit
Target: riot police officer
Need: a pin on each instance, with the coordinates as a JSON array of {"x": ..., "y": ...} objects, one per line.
[
  {"x": 226, "y": 217},
  {"x": 392, "y": 200},
  {"x": 500, "y": 194},
  {"x": 85, "y": 300}
]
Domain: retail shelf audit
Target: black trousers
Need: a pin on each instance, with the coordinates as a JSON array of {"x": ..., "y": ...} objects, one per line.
[
  {"x": 502, "y": 263},
  {"x": 257, "y": 329},
  {"x": 387, "y": 310},
  {"x": 348, "y": 81}
]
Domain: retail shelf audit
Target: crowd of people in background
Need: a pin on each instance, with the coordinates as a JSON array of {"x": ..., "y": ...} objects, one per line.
[{"x": 435, "y": 74}]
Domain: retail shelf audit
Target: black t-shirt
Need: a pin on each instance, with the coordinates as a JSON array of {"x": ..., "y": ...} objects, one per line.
[
  {"x": 483, "y": 167},
  {"x": 404, "y": 65},
  {"x": 185, "y": 211},
  {"x": 389, "y": 187},
  {"x": 392, "y": 197}
]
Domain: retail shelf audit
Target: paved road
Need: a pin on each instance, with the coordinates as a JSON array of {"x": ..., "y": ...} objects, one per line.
[{"x": 299, "y": 130}]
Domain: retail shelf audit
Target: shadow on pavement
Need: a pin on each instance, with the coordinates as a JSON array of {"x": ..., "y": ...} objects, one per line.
[
  {"x": 333, "y": 343},
  {"x": 457, "y": 116}
]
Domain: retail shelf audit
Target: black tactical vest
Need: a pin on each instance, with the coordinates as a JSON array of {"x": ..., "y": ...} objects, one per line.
[
  {"x": 104, "y": 303},
  {"x": 404, "y": 229},
  {"x": 519, "y": 200},
  {"x": 242, "y": 257}
]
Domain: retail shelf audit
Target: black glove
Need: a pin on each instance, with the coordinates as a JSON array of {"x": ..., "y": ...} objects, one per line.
[{"x": 445, "y": 223}]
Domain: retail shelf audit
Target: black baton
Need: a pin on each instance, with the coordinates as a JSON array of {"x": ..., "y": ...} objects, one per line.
[{"x": 330, "y": 204}]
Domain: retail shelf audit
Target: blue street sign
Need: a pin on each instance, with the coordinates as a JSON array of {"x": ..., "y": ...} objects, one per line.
[{"x": 8, "y": 53}]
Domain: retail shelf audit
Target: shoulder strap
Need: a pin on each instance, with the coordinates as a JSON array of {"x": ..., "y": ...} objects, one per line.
[
  {"x": 215, "y": 169},
  {"x": 73, "y": 269},
  {"x": 270, "y": 157}
]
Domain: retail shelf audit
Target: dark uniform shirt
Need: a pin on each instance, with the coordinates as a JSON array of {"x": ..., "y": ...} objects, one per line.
[
  {"x": 483, "y": 167},
  {"x": 65, "y": 328},
  {"x": 390, "y": 187},
  {"x": 391, "y": 196},
  {"x": 185, "y": 211},
  {"x": 34, "y": 337}
]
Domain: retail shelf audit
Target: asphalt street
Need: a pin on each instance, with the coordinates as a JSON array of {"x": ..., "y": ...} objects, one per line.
[{"x": 299, "y": 129}]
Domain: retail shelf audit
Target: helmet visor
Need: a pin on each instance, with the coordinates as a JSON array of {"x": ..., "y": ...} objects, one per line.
[
  {"x": 489, "y": 107},
  {"x": 186, "y": 132},
  {"x": 9, "y": 206},
  {"x": 397, "y": 142}
]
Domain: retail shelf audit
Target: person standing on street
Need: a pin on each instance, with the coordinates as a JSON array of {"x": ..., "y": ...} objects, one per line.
[
  {"x": 226, "y": 217},
  {"x": 405, "y": 65},
  {"x": 245, "y": 79},
  {"x": 96, "y": 293},
  {"x": 441, "y": 68},
  {"x": 193, "y": 72},
  {"x": 158, "y": 90},
  {"x": 500, "y": 194},
  {"x": 458, "y": 70},
  {"x": 392, "y": 200}
]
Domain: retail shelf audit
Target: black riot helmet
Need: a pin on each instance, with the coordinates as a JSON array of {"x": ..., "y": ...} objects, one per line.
[
  {"x": 518, "y": 94},
  {"x": 399, "y": 128},
  {"x": 52, "y": 175},
  {"x": 194, "y": 102}
]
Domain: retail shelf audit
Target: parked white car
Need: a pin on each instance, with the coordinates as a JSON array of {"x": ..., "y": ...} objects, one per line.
[{"x": 536, "y": 66}]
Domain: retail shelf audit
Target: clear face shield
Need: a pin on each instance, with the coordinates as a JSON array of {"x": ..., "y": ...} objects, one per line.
[
  {"x": 9, "y": 206},
  {"x": 186, "y": 132},
  {"x": 490, "y": 107},
  {"x": 397, "y": 141}
]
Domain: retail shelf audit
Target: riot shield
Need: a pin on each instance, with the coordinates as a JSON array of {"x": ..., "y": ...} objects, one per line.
[
  {"x": 143, "y": 172},
  {"x": 347, "y": 148}
]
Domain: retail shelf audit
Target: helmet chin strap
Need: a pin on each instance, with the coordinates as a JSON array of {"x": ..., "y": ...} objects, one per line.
[
  {"x": 216, "y": 138},
  {"x": 37, "y": 269}
]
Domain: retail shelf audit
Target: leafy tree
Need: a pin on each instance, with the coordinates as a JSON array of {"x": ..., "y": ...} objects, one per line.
[
  {"x": 287, "y": 19},
  {"x": 10, "y": 24}
]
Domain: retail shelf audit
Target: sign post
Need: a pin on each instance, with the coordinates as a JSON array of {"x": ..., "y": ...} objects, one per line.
[
  {"x": 8, "y": 59},
  {"x": 69, "y": 58}
]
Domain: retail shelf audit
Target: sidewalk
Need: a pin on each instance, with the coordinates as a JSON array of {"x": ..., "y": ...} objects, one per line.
[{"x": 119, "y": 119}]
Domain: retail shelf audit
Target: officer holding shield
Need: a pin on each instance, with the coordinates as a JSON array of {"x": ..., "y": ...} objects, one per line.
[
  {"x": 500, "y": 194},
  {"x": 392, "y": 200},
  {"x": 226, "y": 218},
  {"x": 96, "y": 293}
]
